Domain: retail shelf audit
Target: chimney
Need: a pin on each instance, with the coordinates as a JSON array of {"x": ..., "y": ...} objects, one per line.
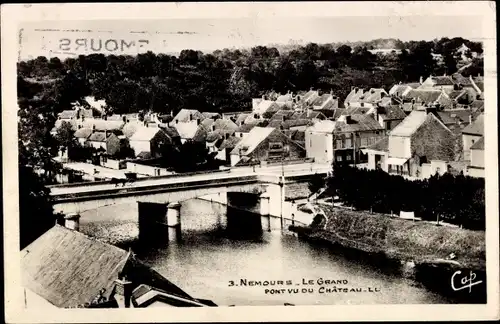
[
  {"x": 226, "y": 135},
  {"x": 283, "y": 117},
  {"x": 176, "y": 121},
  {"x": 72, "y": 221},
  {"x": 212, "y": 127},
  {"x": 331, "y": 92},
  {"x": 190, "y": 117},
  {"x": 470, "y": 119},
  {"x": 197, "y": 122},
  {"x": 93, "y": 127},
  {"x": 348, "y": 119},
  {"x": 263, "y": 97},
  {"x": 421, "y": 80},
  {"x": 308, "y": 112},
  {"x": 123, "y": 292}
]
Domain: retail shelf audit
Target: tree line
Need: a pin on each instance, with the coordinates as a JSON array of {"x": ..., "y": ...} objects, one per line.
[{"x": 455, "y": 199}]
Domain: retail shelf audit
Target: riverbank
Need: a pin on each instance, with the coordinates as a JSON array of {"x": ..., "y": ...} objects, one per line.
[{"x": 418, "y": 250}]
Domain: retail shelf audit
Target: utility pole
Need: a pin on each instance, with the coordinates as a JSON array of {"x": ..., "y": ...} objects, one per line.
[{"x": 354, "y": 148}]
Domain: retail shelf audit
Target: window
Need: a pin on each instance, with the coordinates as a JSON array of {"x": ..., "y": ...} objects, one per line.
[
  {"x": 339, "y": 158},
  {"x": 364, "y": 141},
  {"x": 348, "y": 142},
  {"x": 348, "y": 158},
  {"x": 310, "y": 143},
  {"x": 275, "y": 146},
  {"x": 339, "y": 144},
  {"x": 472, "y": 141}
]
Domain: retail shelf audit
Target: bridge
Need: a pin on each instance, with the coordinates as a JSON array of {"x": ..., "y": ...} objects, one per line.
[{"x": 75, "y": 198}]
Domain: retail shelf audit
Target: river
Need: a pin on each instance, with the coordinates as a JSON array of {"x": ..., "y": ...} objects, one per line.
[{"x": 211, "y": 255}]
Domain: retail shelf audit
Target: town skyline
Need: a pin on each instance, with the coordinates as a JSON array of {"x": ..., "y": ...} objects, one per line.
[{"x": 174, "y": 35}]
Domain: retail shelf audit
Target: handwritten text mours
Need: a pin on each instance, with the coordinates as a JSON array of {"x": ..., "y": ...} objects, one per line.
[{"x": 464, "y": 282}]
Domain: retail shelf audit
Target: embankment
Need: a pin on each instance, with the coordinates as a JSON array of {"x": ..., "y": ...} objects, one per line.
[{"x": 417, "y": 250}]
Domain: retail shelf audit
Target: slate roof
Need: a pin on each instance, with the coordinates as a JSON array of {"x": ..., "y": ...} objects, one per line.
[
  {"x": 479, "y": 145},
  {"x": 83, "y": 132},
  {"x": 442, "y": 80},
  {"x": 371, "y": 96},
  {"x": 284, "y": 98},
  {"x": 381, "y": 145},
  {"x": 359, "y": 123},
  {"x": 460, "y": 79},
  {"x": 476, "y": 128},
  {"x": 331, "y": 105},
  {"x": 321, "y": 99},
  {"x": 252, "y": 140},
  {"x": 282, "y": 113},
  {"x": 68, "y": 268},
  {"x": 355, "y": 110},
  {"x": 129, "y": 129},
  {"x": 102, "y": 125},
  {"x": 67, "y": 114},
  {"x": 332, "y": 113},
  {"x": 186, "y": 115},
  {"x": 323, "y": 126},
  {"x": 145, "y": 134},
  {"x": 477, "y": 104},
  {"x": 246, "y": 128},
  {"x": 391, "y": 112},
  {"x": 410, "y": 124},
  {"x": 186, "y": 130},
  {"x": 99, "y": 136},
  {"x": 230, "y": 142},
  {"x": 211, "y": 115},
  {"x": 241, "y": 118},
  {"x": 424, "y": 95},
  {"x": 456, "y": 94}
]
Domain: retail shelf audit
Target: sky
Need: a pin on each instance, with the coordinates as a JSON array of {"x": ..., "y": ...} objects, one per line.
[{"x": 59, "y": 38}]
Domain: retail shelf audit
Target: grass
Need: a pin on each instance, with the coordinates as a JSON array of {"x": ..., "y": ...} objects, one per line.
[{"x": 404, "y": 239}]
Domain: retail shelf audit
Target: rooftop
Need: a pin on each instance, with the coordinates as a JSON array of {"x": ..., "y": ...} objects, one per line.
[
  {"x": 252, "y": 140},
  {"x": 479, "y": 145},
  {"x": 145, "y": 133},
  {"x": 410, "y": 124},
  {"x": 476, "y": 128}
]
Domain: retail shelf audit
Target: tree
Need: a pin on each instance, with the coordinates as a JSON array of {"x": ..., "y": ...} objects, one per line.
[
  {"x": 316, "y": 183},
  {"x": 35, "y": 208}
]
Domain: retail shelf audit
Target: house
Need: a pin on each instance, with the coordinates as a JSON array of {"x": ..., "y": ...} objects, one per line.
[
  {"x": 187, "y": 130},
  {"x": 388, "y": 116},
  {"x": 64, "y": 268},
  {"x": 105, "y": 140},
  {"x": 429, "y": 97},
  {"x": 401, "y": 90},
  {"x": 265, "y": 105},
  {"x": 187, "y": 116},
  {"x": 211, "y": 115},
  {"x": 444, "y": 82},
  {"x": 378, "y": 154},
  {"x": 226, "y": 147},
  {"x": 341, "y": 140},
  {"x": 244, "y": 129},
  {"x": 325, "y": 101},
  {"x": 234, "y": 114},
  {"x": 265, "y": 144},
  {"x": 352, "y": 133},
  {"x": 83, "y": 134},
  {"x": 358, "y": 98},
  {"x": 420, "y": 139},
  {"x": 149, "y": 140},
  {"x": 319, "y": 141},
  {"x": 68, "y": 114},
  {"x": 476, "y": 167},
  {"x": 471, "y": 134}
]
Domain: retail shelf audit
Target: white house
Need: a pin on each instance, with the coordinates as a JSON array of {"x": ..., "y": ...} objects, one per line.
[{"x": 319, "y": 141}]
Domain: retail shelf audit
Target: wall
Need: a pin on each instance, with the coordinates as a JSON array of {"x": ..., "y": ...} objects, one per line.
[
  {"x": 146, "y": 169},
  {"x": 319, "y": 146},
  {"x": 112, "y": 164},
  {"x": 468, "y": 141},
  {"x": 34, "y": 301},
  {"x": 261, "y": 152},
  {"x": 477, "y": 173},
  {"x": 140, "y": 146},
  {"x": 399, "y": 147},
  {"x": 434, "y": 141},
  {"x": 113, "y": 145},
  {"x": 477, "y": 158}
]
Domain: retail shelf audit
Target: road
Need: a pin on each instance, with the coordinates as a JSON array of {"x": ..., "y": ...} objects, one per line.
[{"x": 276, "y": 170}]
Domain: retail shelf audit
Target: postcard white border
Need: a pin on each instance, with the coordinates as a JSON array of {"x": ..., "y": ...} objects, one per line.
[{"x": 12, "y": 15}]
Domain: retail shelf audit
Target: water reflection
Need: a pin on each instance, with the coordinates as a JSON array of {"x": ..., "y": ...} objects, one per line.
[{"x": 222, "y": 244}]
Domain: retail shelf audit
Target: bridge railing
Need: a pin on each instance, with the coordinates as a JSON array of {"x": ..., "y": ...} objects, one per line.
[
  {"x": 158, "y": 187},
  {"x": 103, "y": 182}
]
